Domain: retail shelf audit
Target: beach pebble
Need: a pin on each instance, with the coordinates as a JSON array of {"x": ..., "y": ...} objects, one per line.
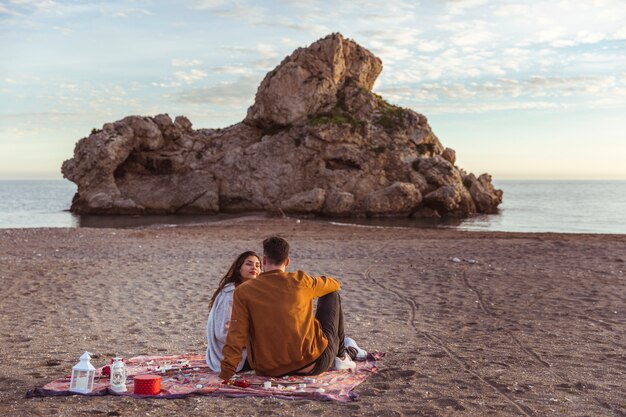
[
  {"x": 199, "y": 386},
  {"x": 457, "y": 260},
  {"x": 267, "y": 384},
  {"x": 279, "y": 386},
  {"x": 320, "y": 390}
]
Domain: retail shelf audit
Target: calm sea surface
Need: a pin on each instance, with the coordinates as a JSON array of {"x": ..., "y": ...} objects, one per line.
[{"x": 529, "y": 206}]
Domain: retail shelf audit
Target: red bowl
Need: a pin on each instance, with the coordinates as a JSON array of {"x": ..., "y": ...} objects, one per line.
[{"x": 147, "y": 384}]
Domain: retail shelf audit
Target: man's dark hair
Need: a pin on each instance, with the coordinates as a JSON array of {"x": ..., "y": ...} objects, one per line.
[{"x": 276, "y": 250}]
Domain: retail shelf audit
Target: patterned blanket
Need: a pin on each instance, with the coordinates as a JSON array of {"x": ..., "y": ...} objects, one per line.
[{"x": 185, "y": 375}]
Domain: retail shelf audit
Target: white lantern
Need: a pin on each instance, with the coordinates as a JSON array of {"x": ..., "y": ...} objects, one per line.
[
  {"x": 118, "y": 375},
  {"x": 82, "y": 375}
]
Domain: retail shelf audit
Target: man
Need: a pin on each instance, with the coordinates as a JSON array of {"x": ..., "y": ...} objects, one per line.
[{"x": 273, "y": 317}]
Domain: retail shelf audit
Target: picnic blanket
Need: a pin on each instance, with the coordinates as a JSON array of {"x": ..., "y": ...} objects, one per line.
[{"x": 185, "y": 375}]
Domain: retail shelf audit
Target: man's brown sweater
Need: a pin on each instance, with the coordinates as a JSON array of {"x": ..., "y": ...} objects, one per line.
[{"x": 273, "y": 317}]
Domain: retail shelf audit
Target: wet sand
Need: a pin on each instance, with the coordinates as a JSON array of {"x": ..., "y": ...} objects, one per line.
[{"x": 517, "y": 325}]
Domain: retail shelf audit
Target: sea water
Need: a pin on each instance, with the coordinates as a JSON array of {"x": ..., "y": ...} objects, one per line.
[
  {"x": 528, "y": 206},
  {"x": 562, "y": 206},
  {"x": 36, "y": 203}
]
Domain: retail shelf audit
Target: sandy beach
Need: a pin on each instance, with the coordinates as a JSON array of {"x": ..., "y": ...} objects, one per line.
[{"x": 517, "y": 325}]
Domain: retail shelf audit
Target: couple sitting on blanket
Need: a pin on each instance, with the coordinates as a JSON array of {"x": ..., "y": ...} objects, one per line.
[{"x": 265, "y": 321}]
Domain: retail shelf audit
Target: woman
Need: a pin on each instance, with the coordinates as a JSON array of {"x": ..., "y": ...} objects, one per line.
[{"x": 246, "y": 266}]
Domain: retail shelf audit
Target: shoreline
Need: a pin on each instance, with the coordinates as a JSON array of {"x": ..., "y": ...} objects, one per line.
[
  {"x": 225, "y": 219},
  {"x": 522, "y": 323}
]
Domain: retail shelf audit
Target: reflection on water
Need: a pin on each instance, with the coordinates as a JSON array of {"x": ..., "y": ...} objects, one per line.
[
  {"x": 125, "y": 222},
  {"x": 396, "y": 222}
]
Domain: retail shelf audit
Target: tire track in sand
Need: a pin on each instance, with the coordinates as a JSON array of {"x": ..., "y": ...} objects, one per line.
[
  {"x": 530, "y": 352},
  {"x": 414, "y": 308}
]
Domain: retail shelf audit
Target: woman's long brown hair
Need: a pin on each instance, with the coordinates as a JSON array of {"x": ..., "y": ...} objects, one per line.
[{"x": 233, "y": 274}]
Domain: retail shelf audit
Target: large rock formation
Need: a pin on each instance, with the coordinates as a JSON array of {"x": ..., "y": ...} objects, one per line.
[{"x": 316, "y": 141}]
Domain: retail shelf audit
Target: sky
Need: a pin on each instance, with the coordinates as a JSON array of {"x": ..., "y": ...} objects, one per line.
[{"x": 520, "y": 89}]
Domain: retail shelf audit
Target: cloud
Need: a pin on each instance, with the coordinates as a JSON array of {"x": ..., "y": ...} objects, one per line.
[
  {"x": 559, "y": 26},
  {"x": 238, "y": 10},
  {"x": 429, "y": 46},
  {"x": 69, "y": 86},
  {"x": 75, "y": 97},
  {"x": 266, "y": 50},
  {"x": 64, "y": 30},
  {"x": 334, "y": 15},
  {"x": 261, "y": 57},
  {"x": 392, "y": 36},
  {"x": 234, "y": 94},
  {"x": 590, "y": 37},
  {"x": 467, "y": 33},
  {"x": 471, "y": 108},
  {"x": 471, "y": 37},
  {"x": 265, "y": 65},
  {"x": 619, "y": 34},
  {"x": 248, "y": 13},
  {"x": 300, "y": 26},
  {"x": 185, "y": 62},
  {"x": 559, "y": 91},
  {"x": 190, "y": 76},
  {"x": 561, "y": 86},
  {"x": 228, "y": 69},
  {"x": 13, "y": 133},
  {"x": 207, "y": 4},
  {"x": 511, "y": 10},
  {"x": 171, "y": 84},
  {"x": 268, "y": 57},
  {"x": 29, "y": 115},
  {"x": 193, "y": 74},
  {"x": 132, "y": 12},
  {"x": 456, "y": 7},
  {"x": 33, "y": 16},
  {"x": 393, "y": 45},
  {"x": 50, "y": 9},
  {"x": 35, "y": 4},
  {"x": 309, "y": 6},
  {"x": 390, "y": 54}
]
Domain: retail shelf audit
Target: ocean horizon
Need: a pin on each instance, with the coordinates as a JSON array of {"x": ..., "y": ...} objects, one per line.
[{"x": 535, "y": 206}]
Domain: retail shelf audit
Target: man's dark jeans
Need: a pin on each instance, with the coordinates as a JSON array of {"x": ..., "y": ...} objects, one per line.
[{"x": 330, "y": 316}]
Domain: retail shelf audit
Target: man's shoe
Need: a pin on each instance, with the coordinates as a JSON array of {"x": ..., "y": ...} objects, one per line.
[
  {"x": 361, "y": 354},
  {"x": 345, "y": 363}
]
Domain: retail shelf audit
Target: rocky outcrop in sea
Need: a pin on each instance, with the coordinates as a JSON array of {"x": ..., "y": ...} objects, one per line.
[{"x": 316, "y": 141}]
